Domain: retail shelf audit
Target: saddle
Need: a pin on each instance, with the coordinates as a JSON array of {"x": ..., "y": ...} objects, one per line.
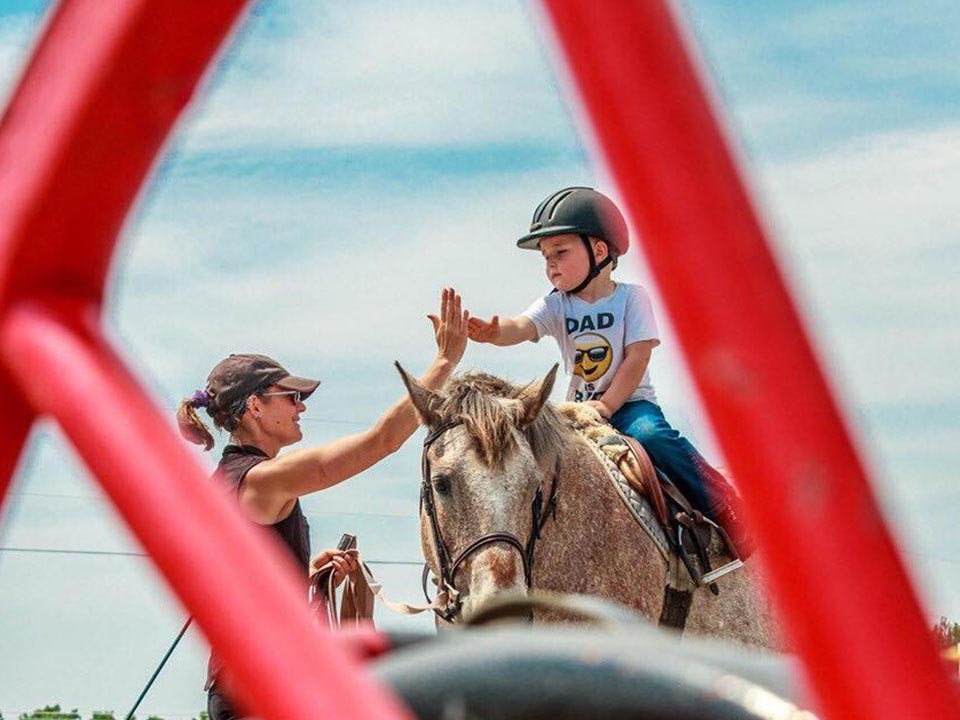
[
  {"x": 688, "y": 531},
  {"x": 678, "y": 529}
]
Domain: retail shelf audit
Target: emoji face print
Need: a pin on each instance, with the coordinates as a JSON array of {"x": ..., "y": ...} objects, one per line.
[{"x": 593, "y": 356}]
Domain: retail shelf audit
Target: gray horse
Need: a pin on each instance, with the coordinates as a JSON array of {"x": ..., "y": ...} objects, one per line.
[{"x": 501, "y": 462}]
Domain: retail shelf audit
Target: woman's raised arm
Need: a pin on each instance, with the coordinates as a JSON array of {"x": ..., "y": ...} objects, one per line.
[{"x": 270, "y": 485}]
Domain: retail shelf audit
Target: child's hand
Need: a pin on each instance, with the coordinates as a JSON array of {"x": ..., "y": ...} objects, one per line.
[
  {"x": 600, "y": 408},
  {"x": 482, "y": 331}
]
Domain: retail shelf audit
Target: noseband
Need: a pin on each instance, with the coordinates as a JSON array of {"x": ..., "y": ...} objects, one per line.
[{"x": 448, "y": 565}]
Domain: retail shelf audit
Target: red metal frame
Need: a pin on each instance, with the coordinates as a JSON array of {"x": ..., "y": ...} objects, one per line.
[
  {"x": 100, "y": 95},
  {"x": 102, "y": 91},
  {"x": 833, "y": 565}
]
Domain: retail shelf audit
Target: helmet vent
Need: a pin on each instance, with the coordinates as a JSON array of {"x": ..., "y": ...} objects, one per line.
[
  {"x": 538, "y": 213},
  {"x": 555, "y": 201}
]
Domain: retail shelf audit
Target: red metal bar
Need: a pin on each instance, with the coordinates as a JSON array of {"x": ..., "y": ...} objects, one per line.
[
  {"x": 17, "y": 419},
  {"x": 241, "y": 587},
  {"x": 104, "y": 87},
  {"x": 365, "y": 642},
  {"x": 834, "y": 567}
]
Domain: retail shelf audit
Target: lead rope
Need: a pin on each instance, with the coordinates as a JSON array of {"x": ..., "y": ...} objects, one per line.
[{"x": 439, "y": 603}]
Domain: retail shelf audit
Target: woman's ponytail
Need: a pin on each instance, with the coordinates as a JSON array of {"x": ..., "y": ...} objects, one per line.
[{"x": 191, "y": 427}]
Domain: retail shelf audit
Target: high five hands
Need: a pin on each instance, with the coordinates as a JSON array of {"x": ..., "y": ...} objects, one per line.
[
  {"x": 450, "y": 327},
  {"x": 483, "y": 331}
]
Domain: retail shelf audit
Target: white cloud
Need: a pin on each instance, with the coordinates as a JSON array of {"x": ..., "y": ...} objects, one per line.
[
  {"x": 788, "y": 112},
  {"x": 386, "y": 74},
  {"x": 335, "y": 293},
  {"x": 870, "y": 232}
]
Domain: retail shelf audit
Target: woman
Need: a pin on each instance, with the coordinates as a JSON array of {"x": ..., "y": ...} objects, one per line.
[{"x": 259, "y": 403}]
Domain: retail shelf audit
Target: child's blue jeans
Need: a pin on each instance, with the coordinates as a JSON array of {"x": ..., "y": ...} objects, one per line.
[{"x": 673, "y": 454}]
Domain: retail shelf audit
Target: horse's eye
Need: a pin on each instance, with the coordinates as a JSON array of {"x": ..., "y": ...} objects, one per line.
[{"x": 441, "y": 483}]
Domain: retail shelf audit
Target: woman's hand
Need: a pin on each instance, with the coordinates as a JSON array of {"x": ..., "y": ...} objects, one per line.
[
  {"x": 344, "y": 563},
  {"x": 450, "y": 328}
]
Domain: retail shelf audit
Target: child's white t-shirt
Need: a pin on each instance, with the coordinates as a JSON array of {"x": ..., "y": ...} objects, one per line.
[{"x": 592, "y": 337}]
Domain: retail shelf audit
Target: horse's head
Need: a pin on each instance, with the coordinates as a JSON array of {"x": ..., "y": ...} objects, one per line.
[{"x": 488, "y": 465}]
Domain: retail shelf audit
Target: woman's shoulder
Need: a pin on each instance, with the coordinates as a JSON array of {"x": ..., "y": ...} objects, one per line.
[{"x": 236, "y": 461}]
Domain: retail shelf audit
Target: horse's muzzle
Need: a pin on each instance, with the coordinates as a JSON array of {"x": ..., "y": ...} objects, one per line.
[{"x": 507, "y": 606}]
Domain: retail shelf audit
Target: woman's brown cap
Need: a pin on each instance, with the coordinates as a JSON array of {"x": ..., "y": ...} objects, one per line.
[{"x": 237, "y": 377}]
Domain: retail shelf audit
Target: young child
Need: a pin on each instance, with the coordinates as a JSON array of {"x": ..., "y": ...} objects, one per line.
[{"x": 606, "y": 332}]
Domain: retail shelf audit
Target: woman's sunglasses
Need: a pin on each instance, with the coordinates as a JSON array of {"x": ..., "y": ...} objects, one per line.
[{"x": 297, "y": 395}]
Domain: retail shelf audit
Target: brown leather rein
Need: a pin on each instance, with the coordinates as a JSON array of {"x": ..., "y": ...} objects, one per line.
[{"x": 448, "y": 565}]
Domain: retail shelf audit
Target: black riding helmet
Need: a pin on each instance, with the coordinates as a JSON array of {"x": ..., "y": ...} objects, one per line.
[{"x": 585, "y": 212}]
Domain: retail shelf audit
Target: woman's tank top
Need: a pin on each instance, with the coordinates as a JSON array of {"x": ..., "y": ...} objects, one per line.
[{"x": 293, "y": 530}]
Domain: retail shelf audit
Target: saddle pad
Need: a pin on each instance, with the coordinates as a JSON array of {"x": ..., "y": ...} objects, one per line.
[{"x": 636, "y": 504}]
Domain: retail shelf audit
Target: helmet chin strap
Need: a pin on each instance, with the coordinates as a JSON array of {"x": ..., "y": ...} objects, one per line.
[{"x": 595, "y": 267}]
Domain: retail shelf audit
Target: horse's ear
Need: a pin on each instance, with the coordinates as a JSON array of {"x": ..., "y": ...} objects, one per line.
[
  {"x": 426, "y": 402},
  {"x": 534, "y": 395}
]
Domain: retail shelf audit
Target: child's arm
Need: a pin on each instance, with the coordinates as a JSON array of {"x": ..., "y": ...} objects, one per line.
[
  {"x": 509, "y": 331},
  {"x": 636, "y": 357}
]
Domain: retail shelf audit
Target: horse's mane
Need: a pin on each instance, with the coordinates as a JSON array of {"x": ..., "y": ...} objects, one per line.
[{"x": 476, "y": 399}]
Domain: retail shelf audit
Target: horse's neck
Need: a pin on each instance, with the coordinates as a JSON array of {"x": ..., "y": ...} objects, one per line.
[
  {"x": 592, "y": 524},
  {"x": 595, "y": 546},
  {"x": 581, "y": 480},
  {"x": 582, "y": 475}
]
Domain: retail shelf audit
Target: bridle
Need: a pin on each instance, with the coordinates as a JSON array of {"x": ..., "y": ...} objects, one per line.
[{"x": 446, "y": 588}]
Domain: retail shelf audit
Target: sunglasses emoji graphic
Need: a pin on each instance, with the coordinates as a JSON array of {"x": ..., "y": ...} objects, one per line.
[{"x": 593, "y": 356}]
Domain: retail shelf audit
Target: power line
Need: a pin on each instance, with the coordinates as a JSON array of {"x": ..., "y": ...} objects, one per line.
[
  {"x": 59, "y": 551},
  {"x": 121, "y": 553},
  {"x": 319, "y": 513},
  {"x": 360, "y": 513},
  {"x": 53, "y": 495},
  {"x": 309, "y": 513}
]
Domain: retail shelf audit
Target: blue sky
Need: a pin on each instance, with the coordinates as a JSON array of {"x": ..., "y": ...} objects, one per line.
[{"x": 350, "y": 159}]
